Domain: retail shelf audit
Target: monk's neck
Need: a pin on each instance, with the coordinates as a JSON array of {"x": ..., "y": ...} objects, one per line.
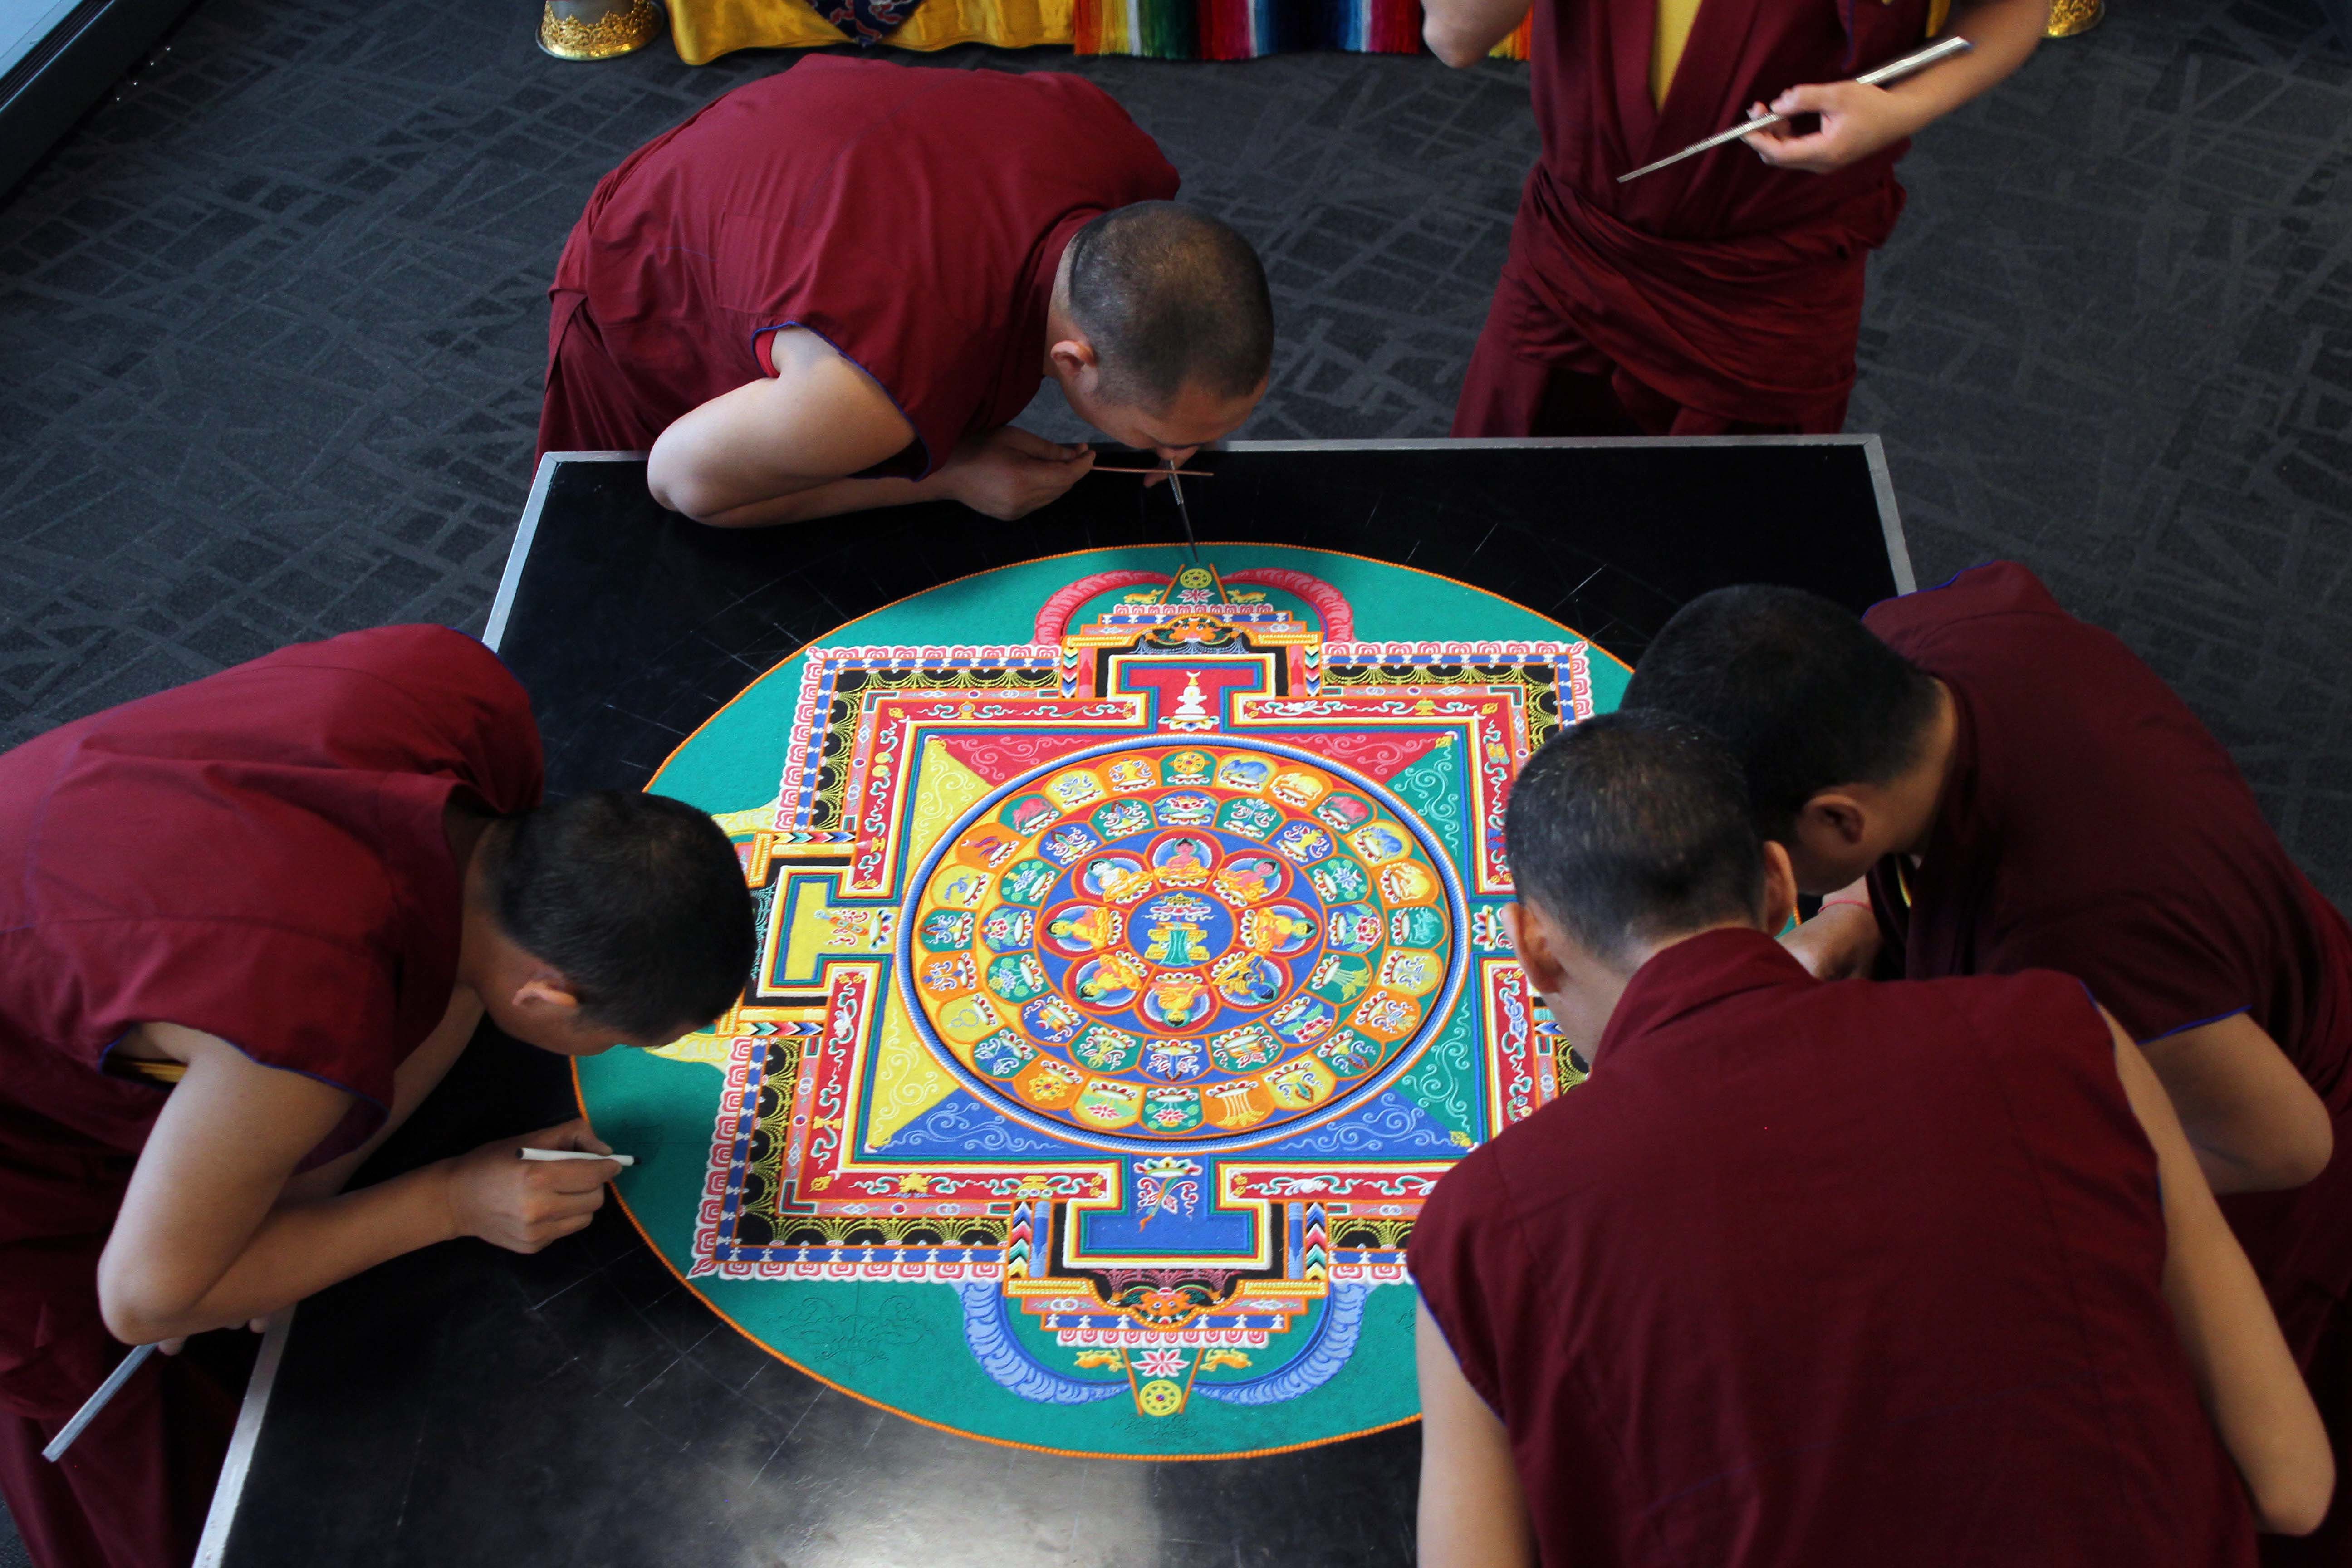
[
  {"x": 468, "y": 831},
  {"x": 1926, "y": 784}
]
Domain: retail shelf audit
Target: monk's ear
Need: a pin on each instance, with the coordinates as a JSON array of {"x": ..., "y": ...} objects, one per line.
[
  {"x": 1532, "y": 939},
  {"x": 1073, "y": 356},
  {"x": 547, "y": 995},
  {"x": 1832, "y": 823}
]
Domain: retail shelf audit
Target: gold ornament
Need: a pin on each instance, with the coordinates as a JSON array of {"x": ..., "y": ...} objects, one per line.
[
  {"x": 597, "y": 29},
  {"x": 2069, "y": 17}
]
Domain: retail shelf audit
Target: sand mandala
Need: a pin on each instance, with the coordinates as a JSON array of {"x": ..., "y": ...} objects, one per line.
[{"x": 1131, "y": 967}]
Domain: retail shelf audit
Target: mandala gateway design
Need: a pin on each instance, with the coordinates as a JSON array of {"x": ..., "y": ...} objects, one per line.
[
  {"x": 1121, "y": 996},
  {"x": 1168, "y": 947}
]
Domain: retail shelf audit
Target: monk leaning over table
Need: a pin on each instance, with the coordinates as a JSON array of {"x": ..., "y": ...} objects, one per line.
[
  {"x": 246, "y": 926},
  {"x": 831, "y": 289},
  {"x": 1722, "y": 295},
  {"x": 2016, "y": 789},
  {"x": 1913, "y": 1275}
]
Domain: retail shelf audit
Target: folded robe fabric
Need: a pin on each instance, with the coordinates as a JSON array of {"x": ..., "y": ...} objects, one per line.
[{"x": 1729, "y": 286}]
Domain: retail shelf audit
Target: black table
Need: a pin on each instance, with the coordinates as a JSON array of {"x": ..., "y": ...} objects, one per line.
[{"x": 466, "y": 1406}]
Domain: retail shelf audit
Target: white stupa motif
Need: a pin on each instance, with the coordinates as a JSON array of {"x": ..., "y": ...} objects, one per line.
[{"x": 1192, "y": 712}]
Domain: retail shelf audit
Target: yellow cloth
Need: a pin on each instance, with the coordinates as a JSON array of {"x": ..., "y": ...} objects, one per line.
[
  {"x": 1675, "y": 19},
  {"x": 706, "y": 29},
  {"x": 153, "y": 1072}
]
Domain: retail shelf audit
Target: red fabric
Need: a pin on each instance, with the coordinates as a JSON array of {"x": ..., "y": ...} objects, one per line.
[
  {"x": 258, "y": 855},
  {"x": 912, "y": 216},
  {"x": 134, "y": 1490},
  {"x": 1531, "y": 375},
  {"x": 1812, "y": 1274},
  {"x": 2091, "y": 825},
  {"x": 1718, "y": 292}
]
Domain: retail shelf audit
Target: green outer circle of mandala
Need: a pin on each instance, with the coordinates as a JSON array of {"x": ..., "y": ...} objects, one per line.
[{"x": 899, "y": 1345}]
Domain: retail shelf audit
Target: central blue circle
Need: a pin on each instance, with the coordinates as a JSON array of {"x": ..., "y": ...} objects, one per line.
[
  {"x": 1188, "y": 929},
  {"x": 1182, "y": 928}
]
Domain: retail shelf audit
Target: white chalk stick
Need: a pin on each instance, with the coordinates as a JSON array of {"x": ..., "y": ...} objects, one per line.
[{"x": 573, "y": 1155}]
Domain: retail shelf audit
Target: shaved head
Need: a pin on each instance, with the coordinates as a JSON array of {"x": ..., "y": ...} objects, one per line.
[{"x": 1171, "y": 299}]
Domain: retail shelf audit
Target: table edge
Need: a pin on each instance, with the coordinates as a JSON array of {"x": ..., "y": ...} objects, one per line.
[{"x": 229, "y": 1493}]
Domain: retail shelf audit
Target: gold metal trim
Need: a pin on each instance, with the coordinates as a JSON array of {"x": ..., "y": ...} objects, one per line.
[
  {"x": 2069, "y": 18},
  {"x": 565, "y": 31}
]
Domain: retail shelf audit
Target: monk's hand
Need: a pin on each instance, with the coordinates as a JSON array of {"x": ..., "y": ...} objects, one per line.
[
  {"x": 1857, "y": 121},
  {"x": 1010, "y": 472},
  {"x": 1840, "y": 942},
  {"x": 522, "y": 1205}
]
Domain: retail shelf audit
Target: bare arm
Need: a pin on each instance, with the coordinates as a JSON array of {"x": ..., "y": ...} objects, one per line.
[
  {"x": 1463, "y": 32},
  {"x": 2244, "y": 1374},
  {"x": 2255, "y": 1124},
  {"x": 779, "y": 450},
  {"x": 756, "y": 454},
  {"x": 202, "y": 1240},
  {"x": 1858, "y": 120},
  {"x": 1841, "y": 941},
  {"x": 1473, "y": 1514},
  {"x": 411, "y": 1082}
]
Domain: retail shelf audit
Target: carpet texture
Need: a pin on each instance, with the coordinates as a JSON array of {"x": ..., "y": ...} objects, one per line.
[
  {"x": 272, "y": 329},
  {"x": 272, "y": 325}
]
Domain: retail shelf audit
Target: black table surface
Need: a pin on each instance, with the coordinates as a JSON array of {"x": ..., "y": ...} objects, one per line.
[{"x": 464, "y": 1405}]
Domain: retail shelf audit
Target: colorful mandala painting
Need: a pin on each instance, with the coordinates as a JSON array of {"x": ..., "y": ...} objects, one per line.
[{"x": 1131, "y": 967}]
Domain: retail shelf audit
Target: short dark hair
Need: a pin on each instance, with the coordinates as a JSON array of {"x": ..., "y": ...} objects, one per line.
[
  {"x": 638, "y": 899},
  {"x": 1634, "y": 826},
  {"x": 1170, "y": 298},
  {"x": 1805, "y": 695}
]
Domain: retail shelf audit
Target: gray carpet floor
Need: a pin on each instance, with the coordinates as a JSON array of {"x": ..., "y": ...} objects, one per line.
[
  {"x": 272, "y": 326},
  {"x": 271, "y": 329}
]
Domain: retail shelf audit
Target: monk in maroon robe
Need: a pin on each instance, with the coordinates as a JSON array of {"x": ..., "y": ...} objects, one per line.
[
  {"x": 1721, "y": 295},
  {"x": 1808, "y": 1274},
  {"x": 832, "y": 289},
  {"x": 1982, "y": 783},
  {"x": 245, "y": 926}
]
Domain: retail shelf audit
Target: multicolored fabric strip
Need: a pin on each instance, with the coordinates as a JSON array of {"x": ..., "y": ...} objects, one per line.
[{"x": 1247, "y": 29}]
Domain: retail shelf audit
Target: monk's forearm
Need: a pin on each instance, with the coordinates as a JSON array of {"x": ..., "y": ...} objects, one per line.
[
  {"x": 796, "y": 432},
  {"x": 2244, "y": 1374},
  {"x": 1463, "y": 32},
  {"x": 2005, "y": 32},
  {"x": 297, "y": 1250},
  {"x": 829, "y": 500}
]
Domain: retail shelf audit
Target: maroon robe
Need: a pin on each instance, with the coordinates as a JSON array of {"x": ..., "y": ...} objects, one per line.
[
  {"x": 1811, "y": 1274},
  {"x": 260, "y": 856},
  {"x": 1720, "y": 295},
  {"x": 2091, "y": 825},
  {"x": 913, "y": 217}
]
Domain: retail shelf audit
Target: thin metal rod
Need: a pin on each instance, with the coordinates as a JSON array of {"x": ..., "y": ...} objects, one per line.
[
  {"x": 97, "y": 1402},
  {"x": 1188, "y": 473},
  {"x": 1176, "y": 486},
  {"x": 1934, "y": 54}
]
